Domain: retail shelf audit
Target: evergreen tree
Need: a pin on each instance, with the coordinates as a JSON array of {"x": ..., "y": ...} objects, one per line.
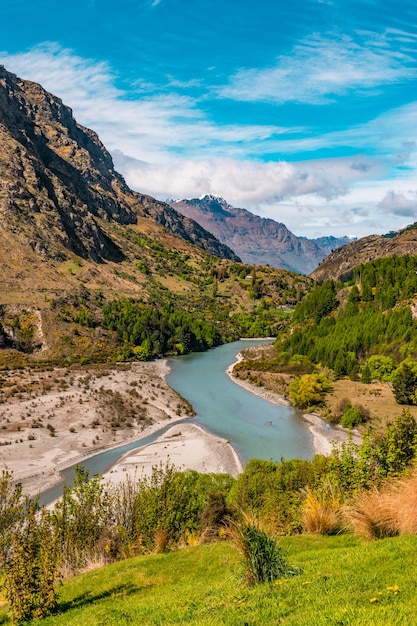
[{"x": 404, "y": 384}]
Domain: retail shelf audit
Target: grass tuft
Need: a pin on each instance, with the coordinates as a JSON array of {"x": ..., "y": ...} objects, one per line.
[
  {"x": 386, "y": 512},
  {"x": 262, "y": 556},
  {"x": 322, "y": 511}
]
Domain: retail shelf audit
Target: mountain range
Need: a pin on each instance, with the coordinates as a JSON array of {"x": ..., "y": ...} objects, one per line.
[{"x": 258, "y": 240}]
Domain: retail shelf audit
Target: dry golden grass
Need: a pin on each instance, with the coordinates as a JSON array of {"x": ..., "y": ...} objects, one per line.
[
  {"x": 404, "y": 502},
  {"x": 322, "y": 512},
  {"x": 377, "y": 398},
  {"x": 371, "y": 515},
  {"x": 161, "y": 540},
  {"x": 389, "y": 511}
]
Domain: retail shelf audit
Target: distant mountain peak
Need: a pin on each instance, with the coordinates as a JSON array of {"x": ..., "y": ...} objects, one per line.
[
  {"x": 257, "y": 240},
  {"x": 208, "y": 197}
]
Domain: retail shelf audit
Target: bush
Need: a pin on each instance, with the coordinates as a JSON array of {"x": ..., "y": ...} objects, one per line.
[
  {"x": 81, "y": 519},
  {"x": 12, "y": 510},
  {"x": 32, "y": 569},
  {"x": 213, "y": 517},
  {"x": 352, "y": 417},
  {"x": 307, "y": 390},
  {"x": 165, "y": 507}
]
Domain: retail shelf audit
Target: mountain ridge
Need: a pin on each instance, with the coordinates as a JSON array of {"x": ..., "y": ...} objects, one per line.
[
  {"x": 257, "y": 240},
  {"x": 58, "y": 177},
  {"x": 341, "y": 263}
]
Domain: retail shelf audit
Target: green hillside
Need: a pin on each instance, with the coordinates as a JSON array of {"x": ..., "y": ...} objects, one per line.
[{"x": 344, "y": 582}]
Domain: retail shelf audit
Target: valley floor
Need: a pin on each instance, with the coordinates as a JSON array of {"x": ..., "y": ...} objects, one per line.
[{"x": 50, "y": 420}]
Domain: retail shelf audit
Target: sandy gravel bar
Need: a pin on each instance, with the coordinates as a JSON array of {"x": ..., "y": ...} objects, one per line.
[
  {"x": 52, "y": 419},
  {"x": 186, "y": 446}
]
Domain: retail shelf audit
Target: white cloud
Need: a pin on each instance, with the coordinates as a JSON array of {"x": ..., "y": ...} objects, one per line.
[
  {"x": 148, "y": 127},
  {"x": 165, "y": 145},
  {"x": 244, "y": 183},
  {"x": 400, "y": 204},
  {"x": 319, "y": 68}
]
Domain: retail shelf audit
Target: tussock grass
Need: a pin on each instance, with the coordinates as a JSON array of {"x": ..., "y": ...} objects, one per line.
[
  {"x": 262, "y": 556},
  {"x": 371, "y": 515},
  {"x": 322, "y": 511},
  {"x": 386, "y": 512}
]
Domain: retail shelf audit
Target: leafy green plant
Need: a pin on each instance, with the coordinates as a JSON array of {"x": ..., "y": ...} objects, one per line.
[
  {"x": 307, "y": 390},
  {"x": 32, "y": 568},
  {"x": 81, "y": 518},
  {"x": 352, "y": 417},
  {"x": 162, "y": 508},
  {"x": 12, "y": 510}
]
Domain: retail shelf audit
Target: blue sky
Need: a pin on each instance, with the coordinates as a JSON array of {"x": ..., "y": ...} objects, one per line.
[{"x": 303, "y": 111}]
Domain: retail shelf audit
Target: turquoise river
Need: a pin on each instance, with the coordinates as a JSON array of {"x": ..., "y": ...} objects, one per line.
[{"x": 255, "y": 427}]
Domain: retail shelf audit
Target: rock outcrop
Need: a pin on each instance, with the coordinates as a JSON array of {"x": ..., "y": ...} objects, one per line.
[{"x": 59, "y": 190}]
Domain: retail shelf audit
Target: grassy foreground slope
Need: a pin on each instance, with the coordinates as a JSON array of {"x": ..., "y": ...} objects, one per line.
[{"x": 344, "y": 581}]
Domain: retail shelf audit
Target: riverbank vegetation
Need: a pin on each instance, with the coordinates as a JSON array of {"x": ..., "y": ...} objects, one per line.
[
  {"x": 350, "y": 346},
  {"x": 368, "y": 489}
]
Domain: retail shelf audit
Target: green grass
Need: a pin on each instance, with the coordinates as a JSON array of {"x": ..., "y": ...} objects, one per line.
[{"x": 344, "y": 582}]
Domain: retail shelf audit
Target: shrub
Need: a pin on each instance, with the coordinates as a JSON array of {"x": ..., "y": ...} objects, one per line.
[
  {"x": 307, "y": 390},
  {"x": 168, "y": 504},
  {"x": 12, "y": 510},
  {"x": 81, "y": 518},
  {"x": 352, "y": 417},
  {"x": 32, "y": 568},
  {"x": 214, "y": 515}
]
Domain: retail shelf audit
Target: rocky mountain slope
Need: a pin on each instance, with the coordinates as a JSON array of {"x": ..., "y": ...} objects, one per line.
[
  {"x": 255, "y": 239},
  {"x": 58, "y": 188},
  {"x": 340, "y": 263},
  {"x": 92, "y": 271}
]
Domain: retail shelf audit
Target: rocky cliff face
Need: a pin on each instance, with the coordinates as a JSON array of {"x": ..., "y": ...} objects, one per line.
[
  {"x": 255, "y": 239},
  {"x": 58, "y": 188}
]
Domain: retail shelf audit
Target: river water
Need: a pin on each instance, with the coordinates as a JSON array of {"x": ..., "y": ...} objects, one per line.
[{"x": 255, "y": 427}]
